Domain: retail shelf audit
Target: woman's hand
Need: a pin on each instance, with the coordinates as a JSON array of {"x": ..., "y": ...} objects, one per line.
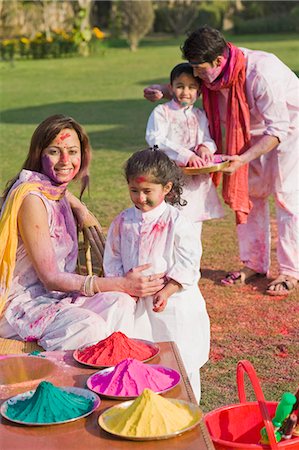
[{"x": 139, "y": 285}]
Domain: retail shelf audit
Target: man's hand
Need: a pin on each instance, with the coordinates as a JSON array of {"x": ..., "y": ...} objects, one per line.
[
  {"x": 153, "y": 93},
  {"x": 235, "y": 163}
]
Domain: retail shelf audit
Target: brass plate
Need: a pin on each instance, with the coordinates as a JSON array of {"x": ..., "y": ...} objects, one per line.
[
  {"x": 210, "y": 169},
  {"x": 19, "y": 369}
]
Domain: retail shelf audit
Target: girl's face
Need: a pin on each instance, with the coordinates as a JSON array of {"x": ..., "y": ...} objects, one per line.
[
  {"x": 147, "y": 195},
  {"x": 185, "y": 89},
  {"x": 61, "y": 160}
]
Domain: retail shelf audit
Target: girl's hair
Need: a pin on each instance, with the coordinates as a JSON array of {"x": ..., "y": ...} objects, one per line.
[
  {"x": 203, "y": 45},
  {"x": 154, "y": 162},
  {"x": 182, "y": 68},
  {"x": 43, "y": 135}
]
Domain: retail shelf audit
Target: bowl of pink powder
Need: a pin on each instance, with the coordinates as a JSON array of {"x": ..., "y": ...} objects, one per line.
[
  {"x": 114, "y": 349},
  {"x": 129, "y": 378}
]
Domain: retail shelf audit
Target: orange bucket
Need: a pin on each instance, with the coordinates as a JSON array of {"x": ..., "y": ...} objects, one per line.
[{"x": 238, "y": 426}]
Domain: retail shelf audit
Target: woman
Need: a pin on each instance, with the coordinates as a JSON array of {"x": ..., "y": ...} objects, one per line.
[{"x": 41, "y": 296}]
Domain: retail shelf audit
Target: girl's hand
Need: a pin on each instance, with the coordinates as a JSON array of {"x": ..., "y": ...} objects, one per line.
[
  {"x": 138, "y": 285},
  {"x": 195, "y": 161},
  {"x": 160, "y": 301}
]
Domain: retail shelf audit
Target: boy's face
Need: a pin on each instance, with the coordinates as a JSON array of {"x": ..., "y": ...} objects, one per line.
[{"x": 185, "y": 89}]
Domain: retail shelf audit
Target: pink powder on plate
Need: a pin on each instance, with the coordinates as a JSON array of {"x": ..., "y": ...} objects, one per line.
[{"x": 130, "y": 377}]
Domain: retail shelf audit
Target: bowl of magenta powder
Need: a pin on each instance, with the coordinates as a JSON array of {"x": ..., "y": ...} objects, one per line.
[
  {"x": 130, "y": 377},
  {"x": 114, "y": 349}
]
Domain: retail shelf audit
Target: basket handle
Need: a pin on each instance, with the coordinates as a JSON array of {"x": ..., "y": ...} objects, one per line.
[{"x": 246, "y": 366}]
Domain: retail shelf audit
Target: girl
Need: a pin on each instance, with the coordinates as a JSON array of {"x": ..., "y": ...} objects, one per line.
[
  {"x": 155, "y": 231},
  {"x": 41, "y": 297}
]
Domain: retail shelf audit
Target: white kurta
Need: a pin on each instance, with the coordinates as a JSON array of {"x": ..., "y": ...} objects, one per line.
[
  {"x": 58, "y": 320},
  {"x": 166, "y": 239},
  {"x": 272, "y": 91},
  {"x": 177, "y": 130}
]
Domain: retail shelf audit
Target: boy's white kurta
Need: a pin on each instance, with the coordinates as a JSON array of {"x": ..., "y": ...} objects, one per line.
[
  {"x": 272, "y": 92},
  {"x": 166, "y": 239},
  {"x": 177, "y": 130}
]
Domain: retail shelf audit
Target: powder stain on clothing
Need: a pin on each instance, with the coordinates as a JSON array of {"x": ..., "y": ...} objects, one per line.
[
  {"x": 150, "y": 415},
  {"x": 49, "y": 404},
  {"x": 130, "y": 377},
  {"x": 114, "y": 349}
]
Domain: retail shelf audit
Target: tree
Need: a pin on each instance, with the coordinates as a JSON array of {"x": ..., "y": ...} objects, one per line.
[{"x": 137, "y": 20}]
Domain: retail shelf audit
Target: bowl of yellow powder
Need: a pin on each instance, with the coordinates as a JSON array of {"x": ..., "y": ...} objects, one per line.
[{"x": 150, "y": 417}]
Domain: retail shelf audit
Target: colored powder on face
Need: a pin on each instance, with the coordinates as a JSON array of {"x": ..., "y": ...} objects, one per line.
[
  {"x": 49, "y": 404},
  {"x": 149, "y": 415},
  {"x": 114, "y": 349},
  {"x": 130, "y": 377}
]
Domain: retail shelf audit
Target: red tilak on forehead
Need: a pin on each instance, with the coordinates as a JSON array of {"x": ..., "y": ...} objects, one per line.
[
  {"x": 140, "y": 179},
  {"x": 64, "y": 136}
]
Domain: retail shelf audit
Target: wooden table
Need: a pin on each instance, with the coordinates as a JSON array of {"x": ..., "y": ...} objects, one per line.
[{"x": 86, "y": 433}]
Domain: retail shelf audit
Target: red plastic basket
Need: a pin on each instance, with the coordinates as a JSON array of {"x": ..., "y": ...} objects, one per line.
[{"x": 238, "y": 426}]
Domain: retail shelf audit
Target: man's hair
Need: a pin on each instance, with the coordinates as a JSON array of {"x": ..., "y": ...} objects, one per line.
[{"x": 203, "y": 45}]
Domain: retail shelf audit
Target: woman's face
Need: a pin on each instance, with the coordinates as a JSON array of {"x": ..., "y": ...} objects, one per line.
[{"x": 61, "y": 160}]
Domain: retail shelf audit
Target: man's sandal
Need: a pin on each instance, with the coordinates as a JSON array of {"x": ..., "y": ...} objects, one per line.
[
  {"x": 287, "y": 285},
  {"x": 241, "y": 276}
]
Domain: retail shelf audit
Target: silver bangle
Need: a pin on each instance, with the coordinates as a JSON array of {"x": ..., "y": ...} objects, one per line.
[{"x": 87, "y": 288}]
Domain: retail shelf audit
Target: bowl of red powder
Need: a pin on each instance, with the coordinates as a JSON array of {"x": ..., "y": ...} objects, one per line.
[
  {"x": 114, "y": 349},
  {"x": 130, "y": 377}
]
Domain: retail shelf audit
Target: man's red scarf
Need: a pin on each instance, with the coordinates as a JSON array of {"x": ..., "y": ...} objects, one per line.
[{"x": 235, "y": 186}]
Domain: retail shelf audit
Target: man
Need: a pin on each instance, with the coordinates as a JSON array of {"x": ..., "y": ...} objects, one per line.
[{"x": 254, "y": 97}]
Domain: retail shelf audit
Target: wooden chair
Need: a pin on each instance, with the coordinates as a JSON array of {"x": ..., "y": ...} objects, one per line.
[{"x": 91, "y": 243}]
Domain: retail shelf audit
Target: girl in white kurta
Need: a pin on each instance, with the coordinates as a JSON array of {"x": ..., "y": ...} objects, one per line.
[
  {"x": 156, "y": 232},
  {"x": 181, "y": 130}
]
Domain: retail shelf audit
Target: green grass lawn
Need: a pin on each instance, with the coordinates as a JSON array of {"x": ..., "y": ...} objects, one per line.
[{"x": 104, "y": 92}]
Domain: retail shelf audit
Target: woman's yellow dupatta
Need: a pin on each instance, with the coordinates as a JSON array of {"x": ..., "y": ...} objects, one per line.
[{"x": 9, "y": 230}]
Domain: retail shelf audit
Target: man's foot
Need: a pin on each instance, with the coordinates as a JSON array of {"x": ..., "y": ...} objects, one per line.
[
  {"x": 241, "y": 277},
  {"x": 282, "y": 285}
]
